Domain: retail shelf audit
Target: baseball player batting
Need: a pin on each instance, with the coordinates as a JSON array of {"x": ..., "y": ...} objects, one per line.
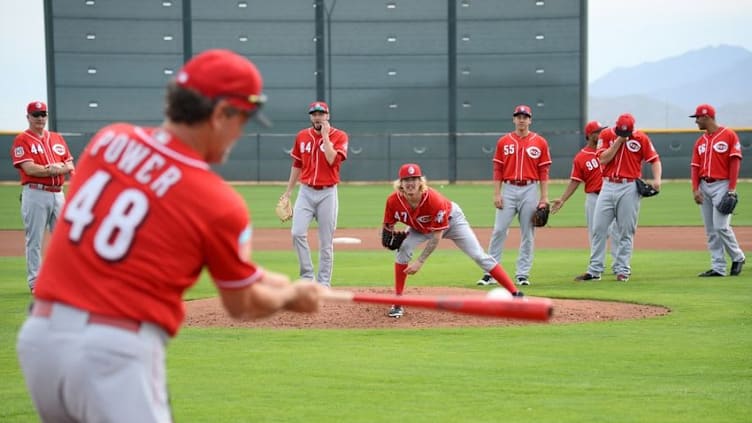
[
  {"x": 317, "y": 154},
  {"x": 142, "y": 222},
  {"x": 43, "y": 159},
  {"x": 430, "y": 217}
]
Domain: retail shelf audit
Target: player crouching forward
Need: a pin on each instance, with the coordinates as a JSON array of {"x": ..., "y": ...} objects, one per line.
[{"x": 429, "y": 216}]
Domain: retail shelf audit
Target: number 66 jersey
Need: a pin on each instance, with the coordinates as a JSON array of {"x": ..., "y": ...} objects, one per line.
[{"x": 145, "y": 214}]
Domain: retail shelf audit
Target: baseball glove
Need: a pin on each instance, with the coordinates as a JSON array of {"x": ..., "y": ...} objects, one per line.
[
  {"x": 392, "y": 239},
  {"x": 540, "y": 217},
  {"x": 644, "y": 188},
  {"x": 727, "y": 203},
  {"x": 283, "y": 209}
]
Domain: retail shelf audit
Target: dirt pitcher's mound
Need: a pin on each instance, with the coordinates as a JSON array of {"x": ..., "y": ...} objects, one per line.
[{"x": 209, "y": 313}]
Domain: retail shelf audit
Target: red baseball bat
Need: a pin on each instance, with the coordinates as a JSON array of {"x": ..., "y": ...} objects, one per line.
[{"x": 518, "y": 308}]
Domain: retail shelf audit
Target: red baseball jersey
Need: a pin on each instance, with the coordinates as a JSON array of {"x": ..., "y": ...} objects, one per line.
[
  {"x": 712, "y": 153},
  {"x": 521, "y": 157},
  {"x": 47, "y": 149},
  {"x": 145, "y": 214},
  {"x": 432, "y": 213},
  {"x": 586, "y": 167},
  {"x": 308, "y": 155},
  {"x": 627, "y": 163}
]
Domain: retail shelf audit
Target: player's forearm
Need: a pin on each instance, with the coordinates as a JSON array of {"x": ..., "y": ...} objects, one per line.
[
  {"x": 735, "y": 163},
  {"x": 544, "y": 191},
  {"x": 329, "y": 152},
  {"x": 431, "y": 245},
  {"x": 657, "y": 169},
  {"x": 571, "y": 188},
  {"x": 609, "y": 154},
  {"x": 497, "y": 188},
  {"x": 43, "y": 171},
  {"x": 294, "y": 177}
]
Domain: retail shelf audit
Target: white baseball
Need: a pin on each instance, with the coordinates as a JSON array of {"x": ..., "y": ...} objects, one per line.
[{"x": 499, "y": 294}]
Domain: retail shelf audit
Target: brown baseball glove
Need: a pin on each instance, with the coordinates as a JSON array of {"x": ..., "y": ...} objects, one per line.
[{"x": 283, "y": 209}]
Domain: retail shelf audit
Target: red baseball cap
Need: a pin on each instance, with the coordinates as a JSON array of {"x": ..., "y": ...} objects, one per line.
[
  {"x": 223, "y": 73},
  {"x": 318, "y": 106},
  {"x": 593, "y": 126},
  {"x": 624, "y": 125},
  {"x": 36, "y": 106},
  {"x": 704, "y": 110},
  {"x": 410, "y": 170},
  {"x": 522, "y": 110}
]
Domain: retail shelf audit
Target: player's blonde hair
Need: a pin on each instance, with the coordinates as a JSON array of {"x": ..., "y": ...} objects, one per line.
[{"x": 423, "y": 187}]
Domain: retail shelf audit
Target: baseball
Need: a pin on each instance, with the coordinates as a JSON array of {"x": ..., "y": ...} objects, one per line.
[{"x": 499, "y": 294}]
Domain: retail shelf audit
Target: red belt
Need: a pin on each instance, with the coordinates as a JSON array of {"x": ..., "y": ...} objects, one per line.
[
  {"x": 618, "y": 180},
  {"x": 319, "y": 187},
  {"x": 710, "y": 180},
  {"x": 43, "y": 308},
  {"x": 519, "y": 183},
  {"x": 43, "y": 187}
]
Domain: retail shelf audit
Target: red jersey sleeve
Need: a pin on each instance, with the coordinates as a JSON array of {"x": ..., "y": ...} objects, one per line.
[
  {"x": 227, "y": 248},
  {"x": 391, "y": 209}
]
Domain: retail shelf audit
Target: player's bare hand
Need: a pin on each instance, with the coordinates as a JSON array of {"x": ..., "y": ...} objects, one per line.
[
  {"x": 325, "y": 127},
  {"x": 657, "y": 185},
  {"x": 498, "y": 202},
  {"x": 413, "y": 268},
  {"x": 306, "y": 298},
  {"x": 556, "y": 205},
  {"x": 698, "y": 196}
]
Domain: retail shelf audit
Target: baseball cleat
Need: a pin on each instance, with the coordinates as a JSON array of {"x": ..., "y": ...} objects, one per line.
[
  {"x": 710, "y": 273},
  {"x": 485, "y": 281},
  {"x": 396, "y": 311},
  {"x": 736, "y": 267},
  {"x": 587, "y": 277},
  {"x": 522, "y": 281},
  {"x": 518, "y": 294}
]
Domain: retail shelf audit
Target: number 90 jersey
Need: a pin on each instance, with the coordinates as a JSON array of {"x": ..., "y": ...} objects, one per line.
[
  {"x": 145, "y": 214},
  {"x": 432, "y": 213}
]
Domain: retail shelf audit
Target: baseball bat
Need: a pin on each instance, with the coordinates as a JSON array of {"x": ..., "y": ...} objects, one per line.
[{"x": 539, "y": 309}]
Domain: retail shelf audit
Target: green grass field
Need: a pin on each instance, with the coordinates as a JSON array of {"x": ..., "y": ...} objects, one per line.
[{"x": 693, "y": 365}]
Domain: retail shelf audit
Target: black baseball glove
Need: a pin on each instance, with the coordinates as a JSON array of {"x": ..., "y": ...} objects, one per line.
[
  {"x": 644, "y": 188},
  {"x": 392, "y": 239},
  {"x": 727, "y": 203},
  {"x": 540, "y": 216}
]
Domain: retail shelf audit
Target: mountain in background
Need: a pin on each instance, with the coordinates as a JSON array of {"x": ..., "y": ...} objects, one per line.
[{"x": 662, "y": 94}]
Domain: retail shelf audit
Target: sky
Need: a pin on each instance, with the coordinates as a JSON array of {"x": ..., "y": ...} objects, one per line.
[{"x": 655, "y": 29}]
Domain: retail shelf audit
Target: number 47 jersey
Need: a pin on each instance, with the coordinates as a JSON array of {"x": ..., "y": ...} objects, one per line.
[{"x": 144, "y": 215}]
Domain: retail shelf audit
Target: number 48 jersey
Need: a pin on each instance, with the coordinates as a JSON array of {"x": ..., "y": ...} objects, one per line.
[{"x": 145, "y": 214}]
